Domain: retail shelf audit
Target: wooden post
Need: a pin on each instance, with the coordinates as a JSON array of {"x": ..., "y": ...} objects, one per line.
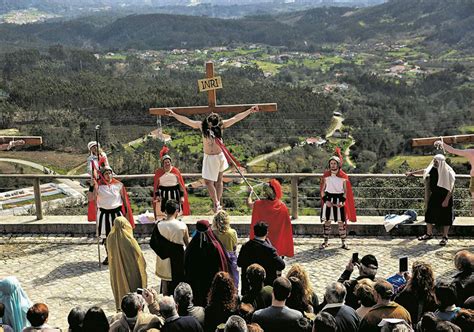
[
  {"x": 39, "y": 207},
  {"x": 294, "y": 197},
  {"x": 426, "y": 141}
]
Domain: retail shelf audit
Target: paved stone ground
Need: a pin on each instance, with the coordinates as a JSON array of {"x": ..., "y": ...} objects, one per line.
[{"x": 64, "y": 271}]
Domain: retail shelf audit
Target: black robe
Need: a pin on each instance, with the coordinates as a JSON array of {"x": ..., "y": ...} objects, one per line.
[
  {"x": 167, "y": 249},
  {"x": 201, "y": 263}
]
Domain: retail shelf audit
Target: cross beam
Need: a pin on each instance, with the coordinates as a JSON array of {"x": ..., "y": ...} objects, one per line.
[
  {"x": 416, "y": 142},
  {"x": 212, "y": 104},
  {"x": 29, "y": 140}
]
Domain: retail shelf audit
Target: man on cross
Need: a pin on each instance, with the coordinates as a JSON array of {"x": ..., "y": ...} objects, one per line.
[
  {"x": 467, "y": 153},
  {"x": 215, "y": 161}
]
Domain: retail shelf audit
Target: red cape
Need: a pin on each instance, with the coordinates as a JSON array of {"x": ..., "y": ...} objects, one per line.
[
  {"x": 156, "y": 183},
  {"x": 280, "y": 231},
  {"x": 349, "y": 206},
  {"x": 92, "y": 210}
]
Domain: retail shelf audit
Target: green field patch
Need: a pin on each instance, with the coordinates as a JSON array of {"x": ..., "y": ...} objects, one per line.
[
  {"x": 121, "y": 57},
  {"x": 9, "y": 132},
  {"x": 268, "y": 67},
  {"x": 418, "y": 162},
  {"x": 467, "y": 129}
]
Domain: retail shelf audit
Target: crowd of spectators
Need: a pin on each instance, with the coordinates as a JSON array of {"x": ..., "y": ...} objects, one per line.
[{"x": 267, "y": 300}]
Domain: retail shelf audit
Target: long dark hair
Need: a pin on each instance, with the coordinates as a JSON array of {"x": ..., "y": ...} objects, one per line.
[
  {"x": 422, "y": 281},
  {"x": 223, "y": 294},
  {"x": 95, "y": 321},
  {"x": 212, "y": 124}
]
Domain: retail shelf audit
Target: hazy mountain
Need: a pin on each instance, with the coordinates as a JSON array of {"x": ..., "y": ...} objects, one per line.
[{"x": 448, "y": 22}]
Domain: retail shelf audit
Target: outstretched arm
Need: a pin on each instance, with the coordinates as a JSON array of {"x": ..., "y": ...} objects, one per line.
[
  {"x": 233, "y": 120},
  {"x": 417, "y": 172},
  {"x": 464, "y": 153},
  {"x": 181, "y": 118}
]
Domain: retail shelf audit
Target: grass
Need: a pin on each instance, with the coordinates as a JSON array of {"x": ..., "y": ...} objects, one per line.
[
  {"x": 418, "y": 162},
  {"x": 467, "y": 129},
  {"x": 60, "y": 162},
  {"x": 9, "y": 132},
  {"x": 268, "y": 67}
]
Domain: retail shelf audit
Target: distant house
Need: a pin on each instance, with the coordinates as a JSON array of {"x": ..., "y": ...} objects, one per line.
[{"x": 318, "y": 141}]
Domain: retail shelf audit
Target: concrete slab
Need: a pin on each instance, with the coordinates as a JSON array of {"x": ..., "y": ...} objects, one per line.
[{"x": 303, "y": 226}]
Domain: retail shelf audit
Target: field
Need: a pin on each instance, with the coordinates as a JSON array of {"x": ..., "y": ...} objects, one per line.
[
  {"x": 418, "y": 162},
  {"x": 60, "y": 162}
]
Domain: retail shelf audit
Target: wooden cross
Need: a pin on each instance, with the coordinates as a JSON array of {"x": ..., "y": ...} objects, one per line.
[
  {"x": 446, "y": 139},
  {"x": 212, "y": 105},
  {"x": 8, "y": 142}
]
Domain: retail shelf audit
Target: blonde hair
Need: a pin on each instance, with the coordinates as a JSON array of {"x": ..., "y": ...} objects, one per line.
[
  {"x": 221, "y": 221},
  {"x": 296, "y": 270}
]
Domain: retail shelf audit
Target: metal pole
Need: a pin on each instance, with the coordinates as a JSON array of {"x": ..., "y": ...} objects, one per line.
[
  {"x": 38, "y": 205},
  {"x": 294, "y": 197}
]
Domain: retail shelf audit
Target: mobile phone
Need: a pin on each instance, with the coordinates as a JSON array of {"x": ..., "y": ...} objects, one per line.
[
  {"x": 140, "y": 291},
  {"x": 403, "y": 264},
  {"x": 355, "y": 257}
]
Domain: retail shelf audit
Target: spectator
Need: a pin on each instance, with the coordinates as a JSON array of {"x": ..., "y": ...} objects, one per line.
[
  {"x": 235, "y": 324},
  {"x": 254, "y": 327},
  {"x": 127, "y": 263},
  {"x": 260, "y": 251},
  {"x": 95, "y": 320},
  {"x": 367, "y": 269},
  {"x": 464, "y": 280},
  {"x": 168, "y": 240},
  {"x": 37, "y": 315},
  {"x": 297, "y": 270},
  {"x": 222, "y": 301},
  {"x": 346, "y": 318},
  {"x": 365, "y": 293},
  {"x": 324, "y": 322},
  {"x": 297, "y": 299},
  {"x": 6, "y": 328},
  {"x": 278, "y": 317},
  {"x": 183, "y": 295},
  {"x": 384, "y": 308},
  {"x": 246, "y": 311},
  {"x": 446, "y": 296},
  {"x": 465, "y": 320},
  {"x": 75, "y": 319},
  {"x": 469, "y": 303},
  {"x": 259, "y": 296},
  {"x": 418, "y": 296},
  {"x": 444, "y": 326},
  {"x": 132, "y": 317},
  {"x": 394, "y": 325},
  {"x": 204, "y": 257},
  {"x": 16, "y": 303},
  {"x": 228, "y": 237},
  {"x": 173, "y": 322}
]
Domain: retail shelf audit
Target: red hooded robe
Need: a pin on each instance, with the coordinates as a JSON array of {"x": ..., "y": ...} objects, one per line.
[{"x": 275, "y": 214}]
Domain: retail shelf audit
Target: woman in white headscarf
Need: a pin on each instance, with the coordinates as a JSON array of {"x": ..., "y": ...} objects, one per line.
[{"x": 439, "y": 177}]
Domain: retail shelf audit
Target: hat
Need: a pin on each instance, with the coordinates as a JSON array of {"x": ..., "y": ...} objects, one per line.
[
  {"x": 164, "y": 153},
  {"x": 202, "y": 225},
  {"x": 369, "y": 260},
  {"x": 337, "y": 159},
  {"x": 91, "y": 144},
  {"x": 105, "y": 169}
]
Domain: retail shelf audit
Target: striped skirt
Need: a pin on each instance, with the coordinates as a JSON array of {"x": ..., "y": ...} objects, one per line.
[
  {"x": 333, "y": 213},
  {"x": 105, "y": 220},
  {"x": 166, "y": 193}
]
